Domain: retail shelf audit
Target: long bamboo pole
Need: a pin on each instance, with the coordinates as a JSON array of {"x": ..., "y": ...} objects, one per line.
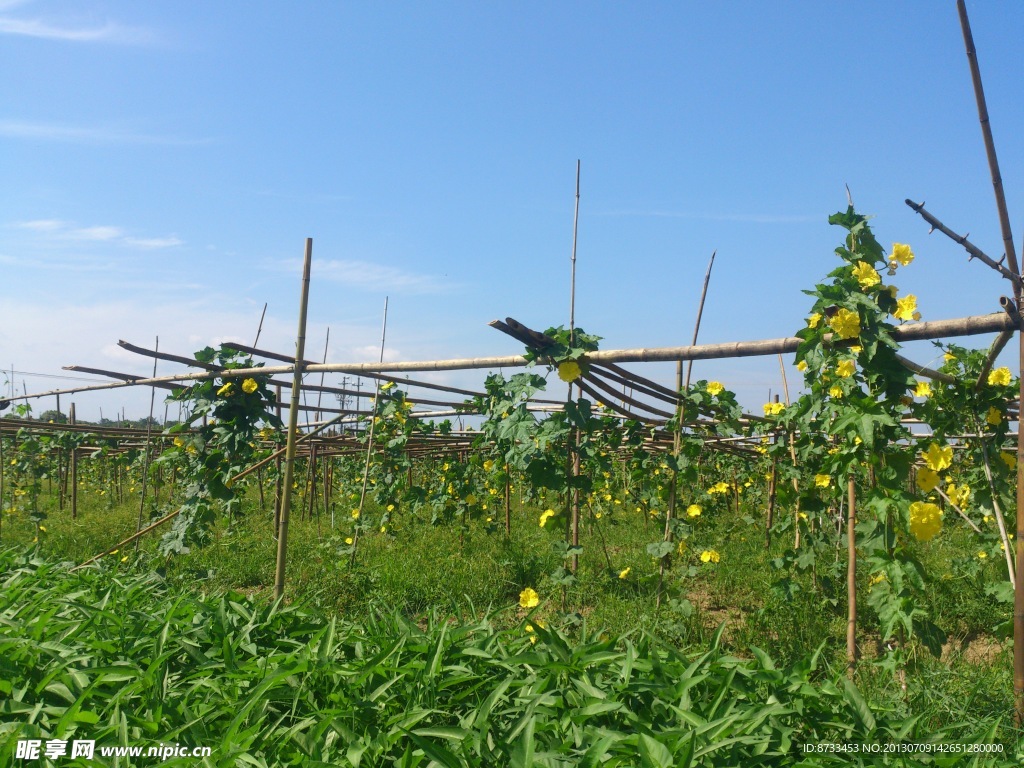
[
  {"x": 148, "y": 448},
  {"x": 293, "y": 422},
  {"x": 932, "y": 329},
  {"x": 369, "y": 440},
  {"x": 1011, "y": 260},
  {"x": 851, "y": 579}
]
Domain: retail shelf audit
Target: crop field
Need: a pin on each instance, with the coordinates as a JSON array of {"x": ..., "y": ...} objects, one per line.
[{"x": 586, "y": 584}]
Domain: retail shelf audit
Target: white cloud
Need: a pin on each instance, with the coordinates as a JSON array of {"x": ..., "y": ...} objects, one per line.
[
  {"x": 42, "y": 225},
  {"x": 63, "y": 230},
  {"x": 43, "y": 131},
  {"x": 377, "y": 277},
  {"x": 94, "y": 233},
  {"x": 70, "y": 31},
  {"x": 153, "y": 242},
  {"x": 751, "y": 218}
]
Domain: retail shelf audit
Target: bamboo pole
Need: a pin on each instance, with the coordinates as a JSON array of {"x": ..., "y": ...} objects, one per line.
[
  {"x": 145, "y": 455},
  {"x": 990, "y": 147},
  {"x": 369, "y": 439},
  {"x": 74, "y": 469},
  {"x": 696, "y": 327},
  {"x": 851, "y": 580},
  {"x": 574, "y": 449},
  {"x": 932, "y": 329},
  {"x": 1011, "y": 259},
  {"x": 293, "y": 418}
]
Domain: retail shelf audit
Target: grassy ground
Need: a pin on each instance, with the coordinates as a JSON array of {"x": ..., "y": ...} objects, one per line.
[{"x": 419, "y": 569}]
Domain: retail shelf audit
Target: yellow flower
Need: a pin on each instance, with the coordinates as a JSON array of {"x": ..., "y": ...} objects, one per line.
[
  {"x": 124, "y": 559},
  {"x": 528, "y": 598},
  {"x": 391, "y": 507},
  {"x": 846, "y": 368},
  {"x": 878, "y": 578},
  {"x": 813, "y": 320},
  {"x": 959, "y": 495},
  {"x": 994, "y": 416},
  {"x": 925, "y": 520},
  {"x": 923, "y": 389},
  {"x": 822, "y": 481},
  {"x": 709, "y": 556},
  {"x": 1009, "y": 459},
  {"x": 488, "y": 465},
  {"x": 999, "y": 377},
  {"x": 546, "y": 515},
  {"x": 835, "y": 391},
  {"x": 624, "y": 573},
  {"x": 982, "y": 555},
  {"x": 948, "y": 356},
  {"x": 569, "y": 371},
  {"x": 355, "y": 514},
  {"x": 937, "y": 457},
  {"x": 226, "y": 389},
  {"x": 801, "y": 366},
  {"x": 348, "y": 540},
  {"x": 906, "y": 308},
  {"x": 773, "y": 409},
  {"x": 856, "y": 349},
  {"x": 866, "y": 275},
  {"x": 715, "y": 388},
  {"x": 901, "y": 252},
  {"x": 42, "y": 528},
  {"x": 927, "y": 479},
  {"x": 177, "y": 441},
  {"x": 693, "y": 510},
  {"x": 845, "y": 323}
]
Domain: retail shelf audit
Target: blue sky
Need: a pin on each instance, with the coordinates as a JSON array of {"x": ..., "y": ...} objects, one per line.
[{"x": 164, "y": 162}]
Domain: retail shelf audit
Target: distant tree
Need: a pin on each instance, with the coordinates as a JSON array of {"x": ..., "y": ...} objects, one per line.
[{"x": 55, "y": 416}]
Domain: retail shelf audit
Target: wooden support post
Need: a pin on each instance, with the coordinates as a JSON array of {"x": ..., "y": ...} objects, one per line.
[
  {"x": 74, "y": 469},
  {"x": 293, "y": 426},
  {"x": 851, "y": 579}
]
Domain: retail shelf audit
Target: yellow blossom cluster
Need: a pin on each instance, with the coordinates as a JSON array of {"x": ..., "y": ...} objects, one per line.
[{"x": 925, "y": 520}]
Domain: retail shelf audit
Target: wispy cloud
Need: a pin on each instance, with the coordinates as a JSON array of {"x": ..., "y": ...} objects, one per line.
[
  {"x": 151, "y": 243},
  {"x": 42, "y": 131},
  {"x": 46, "y": 29},
  {"x": 374, "y": 277},
  {"x": 750, "y": 218},
  {"x": 56, "y": 229}
]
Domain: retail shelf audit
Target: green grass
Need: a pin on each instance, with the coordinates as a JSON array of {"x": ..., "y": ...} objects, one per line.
[
  {"x": 129, "y": 658},
  {"x": 431, "y": 577}
]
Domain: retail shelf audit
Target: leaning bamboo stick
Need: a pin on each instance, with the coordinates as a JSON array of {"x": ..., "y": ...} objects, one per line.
[{"x": 293, "y": 418}]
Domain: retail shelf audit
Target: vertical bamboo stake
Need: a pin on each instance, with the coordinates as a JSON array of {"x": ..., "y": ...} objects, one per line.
[
  {"x": 574, "y": 491},
  {"x": 369, "y": 437},
  {"x": 2, "y": 465},
  {"x": 851, "y": 580},
  {"x": 145, "y": 458},
  {"x": 508, "y": 503},
  {"x": 278, "y": 484},
  {"x": 74, "y": 469},
  {"x": 677, "y": 435},
  {"x": 1011, "y": 260},
  {"x": 293, "y": 426}
]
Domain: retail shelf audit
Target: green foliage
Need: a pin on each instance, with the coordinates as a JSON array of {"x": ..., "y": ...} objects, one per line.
[{"x": 128, "y": 659}]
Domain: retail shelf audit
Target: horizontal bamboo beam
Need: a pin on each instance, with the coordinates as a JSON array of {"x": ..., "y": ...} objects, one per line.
[{"x": 933, "y": 329}]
